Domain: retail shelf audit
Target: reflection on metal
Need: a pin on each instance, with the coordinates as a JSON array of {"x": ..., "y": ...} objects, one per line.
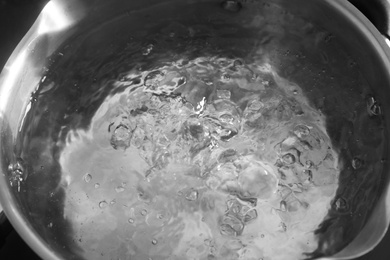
[
  {"x": 387, "y": 41},
  {"x": 24, "y": 116},
  {"x": 13, "y": 73},
  {"x": 53, "y": 19}
]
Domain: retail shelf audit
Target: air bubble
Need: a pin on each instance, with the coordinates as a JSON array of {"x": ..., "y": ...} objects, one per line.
[
  {"x": 373, "y": 107},
  {"x": 119, "y": 189},
  {"x": 223, "y": 94},
  {"x": 288, "y": 159},
  {"x": 301, "y": 131},
  {"x": 87, "y": 177},
  {"x": 231, "y": 226},
  {"x": 154, "y": 241},
  {"x": 181, "y": 81},
  {"x": 227, "y": 230},
  {"x": 250, "y": 216},
  {"x": 144, "y": 212},
  {"x": 234, "y": 206},
  {"x": 147, "y": 50},
  {"x": 341, "y": 205},
  {"x": 229, "y": 155},
  {"x": 227, "y": 134},
  {"x": 103, "y": 204},
  {"x": 237, "y": 63},
  {"x": 309, "y": 164},
  {"x": 357, "y": 163},
  {"x": 226, "y": 77},
  {"x": 192, "y": 195},
  {"x": 130, "y": 220},
  {"x": 227, "y": 118},
  {"x": 255, "y": 105},
  {"x": 121, "y": 137},
  {"x": 97, "y": 185}
]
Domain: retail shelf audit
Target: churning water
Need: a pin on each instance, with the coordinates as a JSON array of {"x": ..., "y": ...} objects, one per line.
[
  {"x": 198, "y": 138},
  {"x": 207, "y": 158}
]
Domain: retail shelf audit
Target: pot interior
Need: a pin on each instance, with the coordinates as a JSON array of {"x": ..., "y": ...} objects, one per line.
[{"x": 204, "y": 130}]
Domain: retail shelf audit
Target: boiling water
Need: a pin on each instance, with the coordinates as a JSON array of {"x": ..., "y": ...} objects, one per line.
[
  {"x": 191, "y": 139},
  {"x": 202, "y": 159}
]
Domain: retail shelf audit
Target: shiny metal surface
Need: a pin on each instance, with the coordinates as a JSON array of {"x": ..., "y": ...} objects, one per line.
[
  {"x": 24, "y": 70},
  {"x": 59, "y": 20},
  {"x": 377, "y": 12}
]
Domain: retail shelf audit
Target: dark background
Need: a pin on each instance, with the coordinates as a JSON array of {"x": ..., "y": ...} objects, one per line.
[{"x": 16, "y": 17}]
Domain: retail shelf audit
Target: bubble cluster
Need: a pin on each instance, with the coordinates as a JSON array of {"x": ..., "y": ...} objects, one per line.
[
  {"x": 17, "y": 174},
  {"x": 238, "y": 214},
  {"x": 234, "y": 157}
]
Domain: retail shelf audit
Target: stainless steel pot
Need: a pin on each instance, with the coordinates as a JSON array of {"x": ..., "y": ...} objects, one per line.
[{"x": 359, "y": 215}]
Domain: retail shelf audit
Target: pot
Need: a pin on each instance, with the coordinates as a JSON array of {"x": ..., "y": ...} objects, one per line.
[{"x": 277, "y": 117}]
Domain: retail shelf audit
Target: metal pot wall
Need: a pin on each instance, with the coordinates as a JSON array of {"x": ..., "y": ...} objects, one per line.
[{"x": 360, "y": 223}]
